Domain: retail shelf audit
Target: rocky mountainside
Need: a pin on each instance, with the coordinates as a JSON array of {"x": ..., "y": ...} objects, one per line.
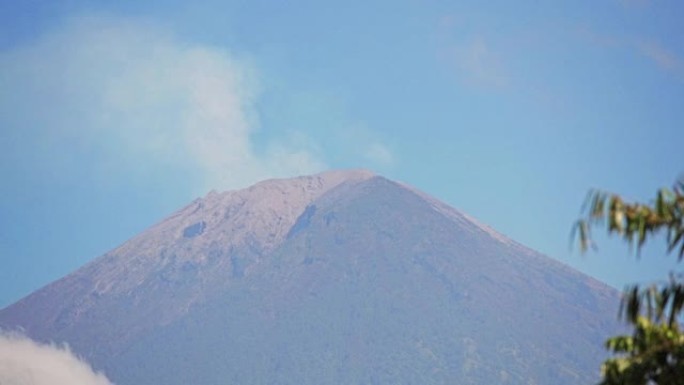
[{"x": 343, "y": 277}]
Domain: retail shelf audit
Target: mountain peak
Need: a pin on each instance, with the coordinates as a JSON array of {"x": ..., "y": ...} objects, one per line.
[
  {"x": 320, "y": 182},
  {"x": 269, "y": 208},
  {"x": 338, "y": 277},
  {"x": 257, "y": 218}
]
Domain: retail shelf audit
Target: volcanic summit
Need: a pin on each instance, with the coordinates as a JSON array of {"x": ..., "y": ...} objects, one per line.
[{"x": 343, "y": 277}]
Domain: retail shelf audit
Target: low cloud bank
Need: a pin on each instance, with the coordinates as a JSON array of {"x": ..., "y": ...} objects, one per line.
[{"x": 26, "y": 362}]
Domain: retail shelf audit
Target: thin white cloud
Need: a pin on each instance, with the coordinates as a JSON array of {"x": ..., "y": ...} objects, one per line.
[
  {"x": 661, "y": 56},
  {"x": 131, "y": 95},
  {"x": 366, "y": 145},
  {"x": 478, "y": 64},
  {"x": 380, "y": 154},
  {"x": 25, "y": 362}
]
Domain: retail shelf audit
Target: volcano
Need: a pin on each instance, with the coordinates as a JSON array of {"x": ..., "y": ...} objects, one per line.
[{"x": 344, "y": 277}]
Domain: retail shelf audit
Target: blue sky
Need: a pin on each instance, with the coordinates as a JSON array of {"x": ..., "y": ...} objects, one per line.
[{"x": 115, "y": 114}]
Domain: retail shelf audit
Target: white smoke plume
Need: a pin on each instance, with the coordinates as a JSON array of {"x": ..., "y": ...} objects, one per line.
[
  {"x": 124, "y": 94},
  {"x": 26, "y": 362}
]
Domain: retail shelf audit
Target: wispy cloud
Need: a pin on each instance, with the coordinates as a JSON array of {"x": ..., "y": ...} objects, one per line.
[
  {"x": 380, "y": 154},
  {"x": 132, "y": 95},
  {"x": 25, "y": 362},
  {"x": 366, "y": 147},
  {"x": 660, "y": 55},
  {"x": 663, "y": 58},
  {"x": 478, "y": 63},
  {"x": 470, "y": 51}
]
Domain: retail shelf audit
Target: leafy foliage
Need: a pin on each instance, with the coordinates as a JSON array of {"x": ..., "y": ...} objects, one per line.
[
  {"x": 635, "y": 222},
  {"x": 654, "y": 353}
]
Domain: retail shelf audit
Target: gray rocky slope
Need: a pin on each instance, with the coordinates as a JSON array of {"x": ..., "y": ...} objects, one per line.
[{"x": 343, "y": 277}]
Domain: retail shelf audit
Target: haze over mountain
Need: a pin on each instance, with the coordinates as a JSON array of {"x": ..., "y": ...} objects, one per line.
[{"x": 343, "y": 277}]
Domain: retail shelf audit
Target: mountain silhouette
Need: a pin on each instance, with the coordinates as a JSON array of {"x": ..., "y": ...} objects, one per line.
[{"x": 344, "y": 277}]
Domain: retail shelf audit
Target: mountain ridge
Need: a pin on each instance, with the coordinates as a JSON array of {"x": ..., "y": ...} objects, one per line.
[{"x": 349, "y": 255}]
